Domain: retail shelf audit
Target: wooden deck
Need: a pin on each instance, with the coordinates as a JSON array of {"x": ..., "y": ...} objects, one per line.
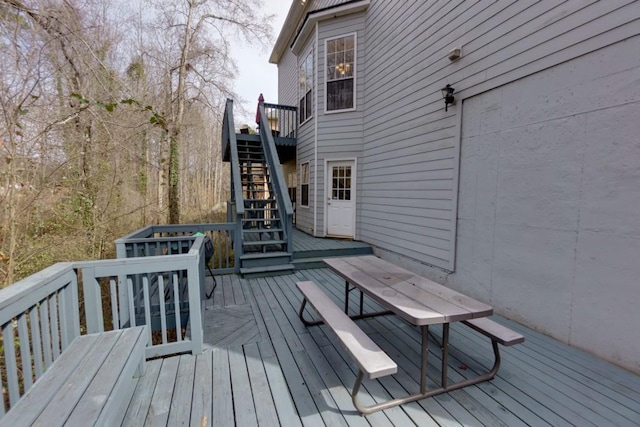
[{"x": 263, "y": 367}]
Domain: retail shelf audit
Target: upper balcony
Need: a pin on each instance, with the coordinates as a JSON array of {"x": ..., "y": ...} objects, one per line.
[{"x": 283, "y": 122}]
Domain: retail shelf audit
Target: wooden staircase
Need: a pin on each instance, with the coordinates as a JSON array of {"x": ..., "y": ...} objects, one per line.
[{"x": 264, "y": 247}]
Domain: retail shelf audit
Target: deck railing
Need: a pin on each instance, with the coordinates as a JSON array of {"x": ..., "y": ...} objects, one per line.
[
  {"x": 41, "y": 315},
  {"x": 282, "y": 120},
  {"x": 173, "y": 239}
]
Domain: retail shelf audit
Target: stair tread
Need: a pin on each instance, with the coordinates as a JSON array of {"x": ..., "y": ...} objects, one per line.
[
  {"x": 264, "y": 242},
  {"x": 262, "y": 255},
  {"x": 267, "y": 268}
]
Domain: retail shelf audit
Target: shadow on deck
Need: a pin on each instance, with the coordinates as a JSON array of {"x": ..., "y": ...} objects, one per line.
[{"x": 263, "y": 367}]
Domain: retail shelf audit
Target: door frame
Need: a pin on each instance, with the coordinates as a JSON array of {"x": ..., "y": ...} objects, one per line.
[{"x": 327, "y": 187}]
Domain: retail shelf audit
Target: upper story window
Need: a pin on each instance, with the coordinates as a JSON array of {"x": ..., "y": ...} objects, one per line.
[
  {"x": 306, "y": 88},
  {"x": 341, "y": 64}
]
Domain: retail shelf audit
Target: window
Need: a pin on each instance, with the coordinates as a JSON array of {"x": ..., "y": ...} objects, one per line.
[
  {"x": 306, "y": 87},
  {"x": 340, "y": 73},
  {"x": 304, "y": 181}
]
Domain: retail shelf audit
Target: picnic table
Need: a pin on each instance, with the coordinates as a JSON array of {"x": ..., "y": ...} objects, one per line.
[{"x": 419, "y": 301}]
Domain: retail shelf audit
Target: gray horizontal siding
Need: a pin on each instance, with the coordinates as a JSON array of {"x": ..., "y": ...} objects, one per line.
[
  {"x": 410, "y": 142},
  {"x": 288, "y": 79},
  {"x": 340, "y": 134}
]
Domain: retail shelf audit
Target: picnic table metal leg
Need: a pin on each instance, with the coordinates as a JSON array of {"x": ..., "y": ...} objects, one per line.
[
  {"x": 346, "y": 297},
  {"x": 445, "y": 354},
  {"x": 425, "y": 353}
]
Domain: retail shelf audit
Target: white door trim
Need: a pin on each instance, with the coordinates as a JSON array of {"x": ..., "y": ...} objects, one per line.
[{"x": 327, "y": 190}]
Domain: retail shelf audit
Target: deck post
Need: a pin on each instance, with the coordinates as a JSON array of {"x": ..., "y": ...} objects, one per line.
[{"x": 195, "y": 304}]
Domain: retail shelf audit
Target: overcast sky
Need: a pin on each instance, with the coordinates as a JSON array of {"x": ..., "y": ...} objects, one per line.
[{"x": 255, "y": 74}]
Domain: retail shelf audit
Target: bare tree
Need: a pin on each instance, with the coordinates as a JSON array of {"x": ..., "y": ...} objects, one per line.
[{"x": 194, "y": 37}]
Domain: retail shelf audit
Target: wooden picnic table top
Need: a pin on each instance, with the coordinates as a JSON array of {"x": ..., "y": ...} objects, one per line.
[{"x": 416, "y": 299}]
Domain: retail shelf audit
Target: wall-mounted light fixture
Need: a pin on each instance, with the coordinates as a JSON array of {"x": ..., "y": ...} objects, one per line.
[{"x": 447, "y": 95}]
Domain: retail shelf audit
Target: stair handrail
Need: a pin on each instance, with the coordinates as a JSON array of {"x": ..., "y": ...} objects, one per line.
[
  {"x": 229, "y": 134},
  {"x": 285, "y": 208}
]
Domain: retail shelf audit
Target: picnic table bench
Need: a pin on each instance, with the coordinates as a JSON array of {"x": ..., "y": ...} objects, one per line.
[
  {"x": 90, "y": 384},
  {"x": 419, "y": 301}
]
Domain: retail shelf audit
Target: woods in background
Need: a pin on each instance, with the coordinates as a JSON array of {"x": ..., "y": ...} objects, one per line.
[{"x": 111, "y": 115}]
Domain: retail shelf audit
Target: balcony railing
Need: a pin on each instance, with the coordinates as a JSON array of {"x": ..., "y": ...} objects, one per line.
[{"x": 282, "y": 120}]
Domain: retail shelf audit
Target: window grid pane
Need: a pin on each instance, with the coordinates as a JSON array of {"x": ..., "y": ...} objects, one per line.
[{"x": 340, "y": 60}]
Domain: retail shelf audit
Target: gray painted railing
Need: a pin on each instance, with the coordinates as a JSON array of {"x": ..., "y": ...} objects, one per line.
[
  {"x": 237, "y": 200},
  {"x": 285, "y": 208},
  {"x": 41, "y": 315},
  {"x": 176, "y": 239},
  {"x": 282, "y": 120}
]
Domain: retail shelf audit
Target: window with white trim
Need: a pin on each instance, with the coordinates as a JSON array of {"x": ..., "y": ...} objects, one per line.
[
  {"x": 306, "y": 88},
  {"x": 304, "y": 184},
  {"x": 341, "y": 63}
]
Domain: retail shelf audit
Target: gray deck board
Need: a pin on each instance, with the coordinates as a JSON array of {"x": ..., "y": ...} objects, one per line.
[
  {"x": 262, "y": 398},
  {"x": 243, "y": 407},
  {"x": 139, "y": 406},
  {"x": 201, "y": 404},
  {"x": 291, "y": 375},
  {"x": 181, "y": 401},
  {"x": 222, "y": 400},
  {"x": 163, "y": 393}
]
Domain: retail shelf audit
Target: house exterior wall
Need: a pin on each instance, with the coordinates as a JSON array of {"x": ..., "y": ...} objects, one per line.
[
  {"x": 288, "y": 79},
  {"x": 552, "y": 237},
  {"x": 410, "y": 143},
  {"x": 342, "y": 132},
  {"x": 549, "y": 210},
  {"x": 548, "y": 229},
  {"x": 306, "y": 149}
]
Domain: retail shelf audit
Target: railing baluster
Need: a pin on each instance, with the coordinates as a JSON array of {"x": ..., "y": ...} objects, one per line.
[
  {"x": 74, "y": 305},
  {"x": 92, "y": 301},
  {"x": 46, "y": 332},
  {"x": 25, "y": 352},
  {"x": 10, "y": 362},
  {"x": 53, "y": 314},
  {"x": 176, "y": 303},
  {"x": 163, "y": 320},
  {"x": 147, "y": 306},
  {"x": 131, "y": 306},
  {"x": 63, "y": 297},
  {"x": 115, "y": 317},
  {"x": 36, "y": 340}
]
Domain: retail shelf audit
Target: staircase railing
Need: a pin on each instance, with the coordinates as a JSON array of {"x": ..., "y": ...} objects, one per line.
[
  {"x": 236, "y": 210},
  {"x": 285, "y": 209}
]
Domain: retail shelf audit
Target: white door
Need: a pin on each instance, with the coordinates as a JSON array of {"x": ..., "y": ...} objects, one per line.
[{"x": 341, "y": 203}]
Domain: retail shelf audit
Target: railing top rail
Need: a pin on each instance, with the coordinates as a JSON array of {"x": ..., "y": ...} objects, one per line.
[
  {"x": 139, "y": 233},
  {"x": 26, "y": 292},
  {"x": 280, "y": 106},
  {"x": 137, "y": 236}
]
